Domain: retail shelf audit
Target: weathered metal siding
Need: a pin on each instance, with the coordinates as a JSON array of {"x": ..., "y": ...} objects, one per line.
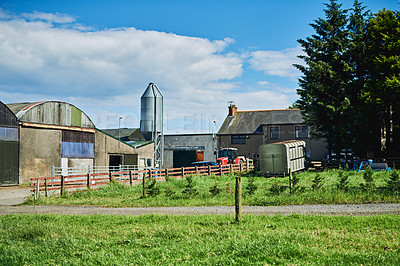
[
  {"x": 9, "y": 147},
  {"x": 77, "y": 144},
  {"x": 52, "y": 113}
]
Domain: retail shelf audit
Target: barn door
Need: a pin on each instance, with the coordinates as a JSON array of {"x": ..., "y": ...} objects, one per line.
[{"x": 199, "y": 156}]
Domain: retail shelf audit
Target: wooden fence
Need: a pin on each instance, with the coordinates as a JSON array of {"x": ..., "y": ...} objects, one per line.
[{"x": 61, "y": 184}]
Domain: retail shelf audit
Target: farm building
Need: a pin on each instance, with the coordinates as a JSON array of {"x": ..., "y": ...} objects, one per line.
[
  {"x": 54, "y": 133},
  {"x": 247, "y": 130},
  {"x": 9, "y": 146},
  {"x": 181, "y": 150}
]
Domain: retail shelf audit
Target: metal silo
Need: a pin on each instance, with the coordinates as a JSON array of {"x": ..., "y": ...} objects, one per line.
[{"x": 151, "y": 119}]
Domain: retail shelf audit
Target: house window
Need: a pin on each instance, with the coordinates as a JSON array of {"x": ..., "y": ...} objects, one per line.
[
  {"x": 301, "y": 132},
  {"x": 274, "y": 132},
  {"x": 238, "y": 139}
]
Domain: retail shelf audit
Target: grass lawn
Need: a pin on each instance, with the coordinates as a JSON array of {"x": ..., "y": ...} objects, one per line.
[
  {"x": 311, "y": 188},
  {"x": 213, "y": 240}
]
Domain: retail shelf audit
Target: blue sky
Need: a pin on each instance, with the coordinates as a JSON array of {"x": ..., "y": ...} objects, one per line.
[{"x": 101, "y": 55}]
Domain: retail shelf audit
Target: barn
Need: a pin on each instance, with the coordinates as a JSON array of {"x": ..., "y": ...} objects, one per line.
[
  {"x": 9, "y": 146},
  {"x": 55, "y": 133}
]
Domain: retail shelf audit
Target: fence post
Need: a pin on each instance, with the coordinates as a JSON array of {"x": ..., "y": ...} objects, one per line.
[
  {"x": 62, "y": 185},
  {"x": 183, "y": 172},
  {"x": 37, "y": 189},
  {"x": 240, "y": 167},
  {"x": 238, "y": 199},
  {"x": 247, "y": 165},
  {"x": 220, "y": 170},
  {"x": 150, "y": 175},
  {"x": 290, "y": 180},
  {"x": 166, "y": 173},
  {"x": 144, "y": 184},
  {"x": 197, "y": 170},
  {"x": 111, "y": 176},
  {"x": 209, "y": 170},
  {"x": 131, "y": 178},
  {"x": 230, "y": 168},
  {"x": 88, "y": 180},
  {"x": 45, "y": 187}
]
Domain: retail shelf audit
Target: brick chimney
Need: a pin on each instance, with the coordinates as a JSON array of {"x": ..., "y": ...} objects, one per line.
[{"x": 232, "y": 109}]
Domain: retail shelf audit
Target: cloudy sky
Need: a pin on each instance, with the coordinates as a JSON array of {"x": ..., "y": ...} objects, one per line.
[{"x": 101, "y": 55}]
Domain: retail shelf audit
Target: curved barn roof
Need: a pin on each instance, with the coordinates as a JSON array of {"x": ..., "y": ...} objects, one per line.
[{"x": 51, "y": 113}]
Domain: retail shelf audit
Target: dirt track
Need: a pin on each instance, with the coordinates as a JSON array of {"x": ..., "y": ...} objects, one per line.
[{"x": 356, "y": 210}]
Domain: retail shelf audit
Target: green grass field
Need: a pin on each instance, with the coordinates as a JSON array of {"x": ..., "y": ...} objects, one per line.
[
  {"x": 312, "y": 188},
  {"x": 212, "y": 240}
]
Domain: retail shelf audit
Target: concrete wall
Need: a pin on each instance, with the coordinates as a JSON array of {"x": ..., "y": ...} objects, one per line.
[
  {"x": 40, "y": 149},
  {"x": 106, "y": 145},
  {"x": 205, "y": 142},
  {"x": 250, "y": 149}
]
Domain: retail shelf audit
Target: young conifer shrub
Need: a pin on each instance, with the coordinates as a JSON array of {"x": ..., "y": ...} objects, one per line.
[
  {"x": 394, "y": 181},
  {"x": 251, "y": 187},
  {"x": 190, "y": 190}
]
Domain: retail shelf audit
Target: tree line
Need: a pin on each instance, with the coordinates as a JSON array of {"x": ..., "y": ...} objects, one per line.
[{"x": 350, "y": 85}]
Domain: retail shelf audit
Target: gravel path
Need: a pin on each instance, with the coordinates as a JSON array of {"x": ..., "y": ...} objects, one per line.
[{"x": 356, "y": 210}]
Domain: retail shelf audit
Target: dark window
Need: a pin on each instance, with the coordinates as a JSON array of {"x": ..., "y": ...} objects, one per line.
[
  {"x": 274, "y": 132},
  {"x": 238, "y": 139},
  {"x": 77, "y": 136},
  {"x": 301, "y": 132}
]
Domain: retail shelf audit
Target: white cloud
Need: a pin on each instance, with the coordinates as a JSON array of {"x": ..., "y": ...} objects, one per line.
[
  {"x": 104, "y": 72},
  {"x": 277, "y": 63},
  {"x": 50, "y": 17}
]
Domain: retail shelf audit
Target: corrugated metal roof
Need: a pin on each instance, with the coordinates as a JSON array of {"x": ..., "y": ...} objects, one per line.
[
  {"x": 7, "y": 117},
  {"x": 51, "y": 113},
  {"x": 250, "y": 122},
  {"x": 129, "y": 133},
  {"x": 134, "y": 144}
]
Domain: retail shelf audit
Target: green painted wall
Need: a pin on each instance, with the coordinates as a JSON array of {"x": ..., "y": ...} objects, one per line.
[{"x": 76, "y": 117}]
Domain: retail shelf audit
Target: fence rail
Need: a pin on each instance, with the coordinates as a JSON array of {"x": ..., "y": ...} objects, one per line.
[
  {"x": 69, "y": 171},
  {"x": 62, "y": 183}
]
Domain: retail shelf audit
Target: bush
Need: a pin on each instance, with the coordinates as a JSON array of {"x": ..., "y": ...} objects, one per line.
[
  {"x": 317, "y": 181},
  {"x": 394, "y": 181},
  {"x": 189, "y": 188},
  {"x": 169, "y": 192},
  {"x": 277, "y": 189},
  {"x": 343, "y": 181},
  {"x": 368, "y": 178},
  {"x": 215, "y": 190},
  {"x": 251, "y": 187},
  {"x": 152, "y": 189}
]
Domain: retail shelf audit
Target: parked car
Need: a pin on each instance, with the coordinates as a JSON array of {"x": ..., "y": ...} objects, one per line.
[{"x": 204, "y": 163}]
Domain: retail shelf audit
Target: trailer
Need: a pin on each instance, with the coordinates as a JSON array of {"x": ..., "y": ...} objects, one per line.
[{"x": 277, "y": 158}]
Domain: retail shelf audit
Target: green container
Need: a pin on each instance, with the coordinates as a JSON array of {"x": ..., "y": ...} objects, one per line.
[{"x": 278, "y": 158}]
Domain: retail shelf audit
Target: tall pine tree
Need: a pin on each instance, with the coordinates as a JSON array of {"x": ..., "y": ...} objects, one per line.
[
  {"x": 364, "y": 138},
  {"x": 383, "y": 90},
  {"x": 324, "y": 96}
]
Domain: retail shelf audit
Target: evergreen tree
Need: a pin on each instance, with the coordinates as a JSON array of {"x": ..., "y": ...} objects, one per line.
[
  {"x": 362, "y": 137},
  {"x": 383, "y": 91},
  {"x": 324, "y": 97}
]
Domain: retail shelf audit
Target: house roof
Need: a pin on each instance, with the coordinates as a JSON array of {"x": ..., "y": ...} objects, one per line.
[{"x": 251, "y": 122}]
